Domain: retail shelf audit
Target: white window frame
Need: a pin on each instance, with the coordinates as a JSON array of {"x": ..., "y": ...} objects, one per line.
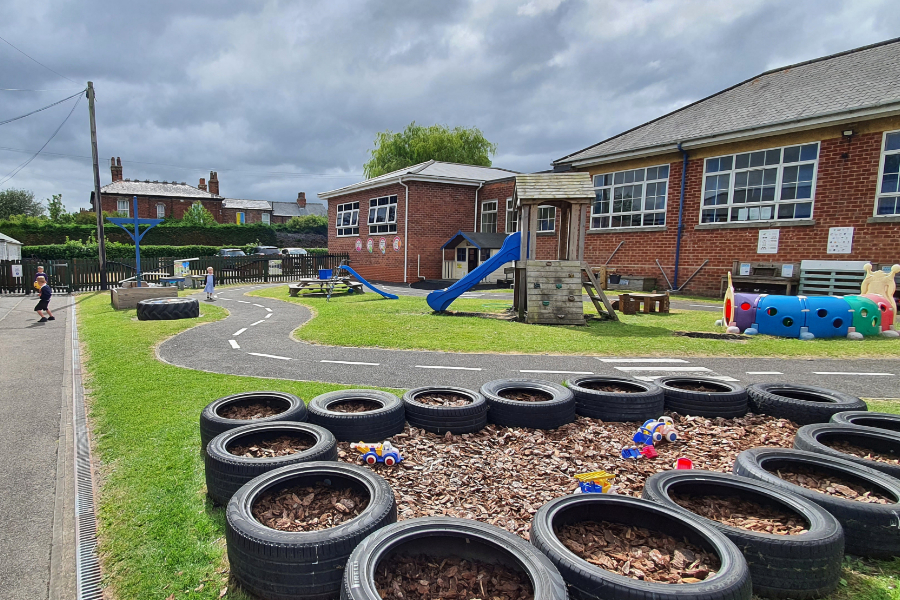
[
  {"x": 776, "y": 202},
  {"x": 488, "y": 216},
  {"x": 266, "y": 218},
  {"x": 126, "y": 204},
  {"x": 379, "y": 225},
  {"x": 606, "y": 182},
  {"x": 512, "y": 217},
  {"x": 158, "y": 211},
  {"x": 879, "y": 193},
  {"x": 545, "y": 218},
  {"x": 351, "y": 229}
]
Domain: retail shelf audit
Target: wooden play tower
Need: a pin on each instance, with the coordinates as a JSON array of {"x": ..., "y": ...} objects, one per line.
[{"x": 549, "y": 291}]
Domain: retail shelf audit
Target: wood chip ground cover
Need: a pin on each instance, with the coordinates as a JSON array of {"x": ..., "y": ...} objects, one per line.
[
  {"x": 848, "y": 448},
  {"x": 254, "y": 410},
  {"x": 696, "y": 387},
  {"x": 525, "y": 395},
  {"x": 831, "y": 484},
  {"x": 281, "y": 445},
  {"x": 443, "y": 399},
  {"x": 746, "y": 514},
  {"x": 353, "y": 406},
  {"x": 406, "y": 577},
  {"x": 616, "y": 388},
  {"x": 308, "y": 508}
]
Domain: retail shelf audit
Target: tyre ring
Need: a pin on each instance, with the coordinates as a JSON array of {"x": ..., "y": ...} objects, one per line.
[
  {"x": 167, "y": 309},
  {"x": 806, "y": 565},
  {"x": 441, "y": 419},
  {"x": 729, "y": 400},
  {"x": 553, "y": 413},
  {"x": 869, "y": 529},
  {"x": 862, "y": 418},
  {"x": 304, "y": 565},
  {"x": 587, "y": 581},
  {"x": 637, "y": 400},
  {"x": 443, "y": 537},
  {"x": 816, "y": 437},
  {"x": 227, "y": 472},
  {"x": 290, "y": 407},
  {"x": 387, "y": 416},
  {"x": 802, "y": 404}
]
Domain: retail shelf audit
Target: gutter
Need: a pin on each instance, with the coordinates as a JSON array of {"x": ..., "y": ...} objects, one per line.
[
  {"x": 367, "y": 185},
  {"x": 405, "y": 227},
  {"x": 476, "y": 206},
  {"x": 684, "y": 164}
]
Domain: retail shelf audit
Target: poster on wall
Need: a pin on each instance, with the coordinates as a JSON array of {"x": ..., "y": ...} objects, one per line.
[
  {"x": 768, "y": 241},
  {"x": 840, "y": 240},
  {"x": 359, "y": 245},
  {"x": 382, "y": 245},
  {"x": 370, "y": 245},
  {"x": 397, "y": 243},
  {"x": 16, "y": 270}
]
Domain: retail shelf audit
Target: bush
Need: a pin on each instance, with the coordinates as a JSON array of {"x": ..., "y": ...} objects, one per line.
[
  {"x": 32, "y": 231},
  {"x": 118, "y": 251},
  {"x": 308, "y": 224}
]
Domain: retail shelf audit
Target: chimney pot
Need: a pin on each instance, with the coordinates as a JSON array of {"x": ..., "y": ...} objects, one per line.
[
  {"x": 202, "y": 185},
  {"x": 301, "y": 199},
  {"x": 115, "y": 169},
  {"x": 214, "y": 183}
]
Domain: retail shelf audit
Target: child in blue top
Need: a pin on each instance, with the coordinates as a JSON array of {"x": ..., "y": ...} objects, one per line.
[
  {"x": 43, "y": 303},
  {"x": 210, "y": 283}
]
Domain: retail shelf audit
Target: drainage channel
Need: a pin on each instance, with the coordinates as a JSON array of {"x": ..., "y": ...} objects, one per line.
[{"x": 87, "y": 565}]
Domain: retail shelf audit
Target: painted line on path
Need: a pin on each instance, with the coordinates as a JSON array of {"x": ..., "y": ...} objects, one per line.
[
  {"x": 556, "y": 372},
  {"x": 665, "y": 368},
  {"x": 641, "y": 360},
  {"x": 267, "y": 316},
  {"x": 764, "y": 373},
  {"x": 350, "y": 362},
  {"x": 269, "y": 356},
  {"x": 259, "y": 305},
  {"x": 452, "y": 368},
  {"x": 707, "y": 306},
  {"x": 716, "y": 377},
  {"x": 848, "y": 373},
  {"x": 244, "y": 302},
  {"x": 258, "y": 322},
  {"x": 268, "y": 309},
  {"x": 239, "y": 331},
  {"x": 234, "y": 344}
]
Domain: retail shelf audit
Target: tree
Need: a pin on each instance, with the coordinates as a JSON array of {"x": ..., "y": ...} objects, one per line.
[
  {"x": 57, "y": 210},
  {"x": 86, "y": 217},
  {"x": 308, "y": 224},
  {"x": 198, "y": 215},
  {"x": 417, "y": 144},
  {"x": 19, "y": 202}
]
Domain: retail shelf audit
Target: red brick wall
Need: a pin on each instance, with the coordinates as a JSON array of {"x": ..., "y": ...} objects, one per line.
[
  {"x": 175, "y": 207},
  {"x": 229, "y": 215}
]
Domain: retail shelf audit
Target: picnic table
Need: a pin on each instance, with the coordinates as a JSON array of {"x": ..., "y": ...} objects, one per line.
[
  {"x": 325, "y": 286},
  {"x": 631, "y": 302},
  {"x": 172, "y": 281}
]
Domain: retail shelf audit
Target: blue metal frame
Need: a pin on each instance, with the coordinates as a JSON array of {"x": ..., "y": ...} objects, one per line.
[{"x": 137, "y": 235}]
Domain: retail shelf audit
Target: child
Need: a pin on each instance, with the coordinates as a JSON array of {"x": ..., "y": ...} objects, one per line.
[
  {"x": 209, "y": 283},
  {"x": 43, "y": 303}
]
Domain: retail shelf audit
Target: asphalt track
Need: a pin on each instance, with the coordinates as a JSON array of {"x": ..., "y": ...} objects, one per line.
[{"x": 255, "y": 340}]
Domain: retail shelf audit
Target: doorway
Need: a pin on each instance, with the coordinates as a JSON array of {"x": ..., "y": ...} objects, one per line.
[{"x": 472, "y": 259}]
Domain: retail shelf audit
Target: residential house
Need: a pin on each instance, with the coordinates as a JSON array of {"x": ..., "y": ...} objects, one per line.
[{"x": 282, "y": 212}]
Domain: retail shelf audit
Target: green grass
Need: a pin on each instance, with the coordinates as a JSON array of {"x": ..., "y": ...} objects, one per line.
[
  {"x": 158, "y": 533},
  {"x": 368, "y": 320}
]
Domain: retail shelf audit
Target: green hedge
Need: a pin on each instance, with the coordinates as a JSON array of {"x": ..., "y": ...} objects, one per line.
[
  {"x": 166, "y": 234},
  {"x": 117, "y": 251}
]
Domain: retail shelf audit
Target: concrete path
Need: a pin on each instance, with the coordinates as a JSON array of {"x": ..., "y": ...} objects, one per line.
[
  {"x": 255, "y": 340},
  {"x": 36, "y": 465}
]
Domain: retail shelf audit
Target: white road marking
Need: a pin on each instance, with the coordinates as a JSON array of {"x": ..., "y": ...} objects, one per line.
[
  {"x": 350, "y": 362},
  {"x": 664, "y": 368},
  {"x": 717, "y": 377},
  {"x": 267, "y": 316},
  {"x": 270, "y": 356},
  {"x": 239, "y": 331},
  {"x": 641, "y": 360},
  {"x": 764, "y": 373},
  {"x": 706, "y": 306},
  {"x": 454, "y": 368},
  {"x": 234, "y": 344},
  {"x": 244, "y": 302},
  {"x": 268, "y": 309},
  {"x": 258, "y": 322},
  {"x": 259, "y": 305},
  {"x": 557, "y": 372},
  {"x": 848, "y": 373}
]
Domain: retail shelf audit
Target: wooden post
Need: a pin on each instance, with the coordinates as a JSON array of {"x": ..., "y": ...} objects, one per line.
[
  {"x": 532, "y": 234},
  {"x": 582, "y": 231},
  {"x": 524, "y": 222},
  {"x": 98, "y": 209},
  {"x": 574, "y": 220}
]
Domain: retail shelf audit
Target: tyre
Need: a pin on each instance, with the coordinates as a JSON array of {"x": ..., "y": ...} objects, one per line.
[
  {"x": 385, "y": 417},
  {"x": 167, "y": 309},
  {"x": 807, "y": 565},
  {"x": 441, "y": 419},
  {"x": 555, "y": 412},
  {"x": 721, "y": 398},
  {"x": 869, "y": 529},
  {"x": 443, "y": 537},
  {"x": 818, "y": 436},
  {"x": 587, "y": 581},
  {"x": 212, "y": 423},
  {"x": 802, "y": 404},
  {"x": 636, "y": 400},
  {"x": 862, "y": 418},
  {"x": 227, "y": 472},
  {"x": 305, "y": 565}
]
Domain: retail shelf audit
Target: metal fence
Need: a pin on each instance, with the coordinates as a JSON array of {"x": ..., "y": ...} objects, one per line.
[{"x": 83, "y": 274}]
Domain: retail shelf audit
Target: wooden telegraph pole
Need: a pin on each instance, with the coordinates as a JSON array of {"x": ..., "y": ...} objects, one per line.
[{"x": 98, "y": 208}]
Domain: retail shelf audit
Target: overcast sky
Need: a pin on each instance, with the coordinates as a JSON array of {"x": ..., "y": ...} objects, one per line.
[{"x": 281, "y": 97}]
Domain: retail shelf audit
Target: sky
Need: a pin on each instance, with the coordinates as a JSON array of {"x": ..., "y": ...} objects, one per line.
[{"x": 283, "y": 97}]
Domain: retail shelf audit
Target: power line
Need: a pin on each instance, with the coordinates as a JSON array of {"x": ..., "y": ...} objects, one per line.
[
  {"x": 40, "y": 109},
  {"x": 26, "y": 90},
  {"x": 37, "y": 61}
]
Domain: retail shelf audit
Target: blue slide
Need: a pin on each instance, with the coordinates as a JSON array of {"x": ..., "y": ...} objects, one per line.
[
  {"x": 360, "y": 279},
  {"x": 439, "y": 300}
]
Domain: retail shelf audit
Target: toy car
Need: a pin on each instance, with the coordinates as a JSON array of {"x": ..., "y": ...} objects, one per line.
[
  {"x": 655, "y": 430},
  {"x": 378, "y": 453}
]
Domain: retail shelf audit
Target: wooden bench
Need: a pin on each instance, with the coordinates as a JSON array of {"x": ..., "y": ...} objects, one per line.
[
  {"x": 325, "y": 286},
  {"x": 763, "y": 277},
  {"x": 630, "y": 304}
]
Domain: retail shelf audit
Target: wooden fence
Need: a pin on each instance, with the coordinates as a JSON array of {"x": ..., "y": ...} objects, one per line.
[{"x": 83, "y": 274}]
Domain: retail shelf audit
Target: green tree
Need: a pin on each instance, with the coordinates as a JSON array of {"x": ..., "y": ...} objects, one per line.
[
  {"x": 19, "y": 202},
  {"x": 198, "y": 215},
  {"x": 417, "y": 144},
  {"x": 308, "y": 224},
  {"x": 57, "y": 210},
  {"x": 85, "y": 217}
]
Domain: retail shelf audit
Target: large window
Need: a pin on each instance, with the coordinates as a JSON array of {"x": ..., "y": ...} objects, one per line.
[
  {"x": 512, "y": 216},
  {"x": 760, "y": 186},
  {"x": 266, "y": 218},
  {"x": 888, "y": 202},
  {"x": 383, "y": 215},
  {"x": 347, "y": 221},
  {"x": 122, "y": 208},
  {"x": 160, "y": 211},
  {"x": 489, "y": 216},
  {"x": 546, "y": 218},
  {"x": 635, "y": 198}
]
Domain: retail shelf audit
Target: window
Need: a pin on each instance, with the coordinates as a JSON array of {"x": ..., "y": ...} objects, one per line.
[
  {"x": 546, "y": 218},
  {"x": 485, "y": 254},
  {"x": 512, "y": 216},
  {"x": 489, "y": 216},
  {"x": 383, "y": 215},
  {"x": 347, "y": 221},
  {"x": 267, "y": 218},
  {"x": 760, "y": 186},
  {"x": 460, "y": 255},
  {"x": 160, "y": 211},
  {"x": 888, "y": 202},
  {"x": 122, "y": 207},
  {"x": 632, "y": 198},
  {"x": 239, "y": 218}
]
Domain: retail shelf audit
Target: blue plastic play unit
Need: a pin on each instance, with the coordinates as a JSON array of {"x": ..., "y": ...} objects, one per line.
[
  {"x": 325, "y": 273},
  {"x": 360, "y": 279},
  {"x": 439, "y": 300}
]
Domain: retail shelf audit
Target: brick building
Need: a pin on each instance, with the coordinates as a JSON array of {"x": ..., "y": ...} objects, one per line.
[{"x": 282, "y": 212}]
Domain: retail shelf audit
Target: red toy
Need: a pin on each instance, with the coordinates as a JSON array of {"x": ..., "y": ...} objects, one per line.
[{"x": 649, "y": 452}]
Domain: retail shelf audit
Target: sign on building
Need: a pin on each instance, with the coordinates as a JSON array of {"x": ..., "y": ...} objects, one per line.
[
  {"x": 840, "y": 240},
  {"x": 16, "y": 270},
  {"x": 768, "y": 241}
]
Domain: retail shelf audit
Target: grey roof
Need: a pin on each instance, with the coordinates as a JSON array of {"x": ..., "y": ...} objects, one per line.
[
  {"x": 853, "y": 84},
  {"x": 155, "y": 188},
  {"x": 550, "y": 186},
  {"x": 9, "y": 240},
  {"x": 241, "y": 204},
  {"x": 292, "y": 209},
  {"x": 477, "y": 239}
]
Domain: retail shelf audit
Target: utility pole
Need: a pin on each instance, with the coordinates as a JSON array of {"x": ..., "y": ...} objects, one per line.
[{"x": 98, "y": 208}]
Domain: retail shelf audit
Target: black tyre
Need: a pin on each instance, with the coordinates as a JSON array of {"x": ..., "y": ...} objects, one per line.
[
  {"x": 227, "y": 472},
  {"x": 635, "y": 401},
  {"x": 555, "y": 412},
  {"x": 869, "y": 529},
  {"x": 167, "y": 309},
  {"x": 862, "y": 418},
  {"x": 802, "y": 404},
  {"x": 385, "y": 418},
  {"x": 818, "y": 436},
  {"x": 441, "y": 419},
  {"x": 284, "y": 565},
  {"x": 724, "y": 399},
  {"x": 587, "y": 581},
  {"x": 443, "y": 537},
  {"x": 289, "y": 407},
  {"x": 806, "y": 565}
]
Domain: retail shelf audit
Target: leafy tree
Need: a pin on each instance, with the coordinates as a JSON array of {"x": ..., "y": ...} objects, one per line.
[
  {"x": 57, "y": 210},
  {"x": 19, "y": 202},
  {"x": 85, "y": 217},
  {"x": 308, "y": 224},
  {"x": 417, "y": 144},
  {"x": 198, "y": 215}
]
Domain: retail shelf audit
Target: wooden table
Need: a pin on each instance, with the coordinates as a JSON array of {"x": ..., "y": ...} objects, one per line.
[
  {"x": 630, "y": 303},
  {"x": 325, "y": 286}
]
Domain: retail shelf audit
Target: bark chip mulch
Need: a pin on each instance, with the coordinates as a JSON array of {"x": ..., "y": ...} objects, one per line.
[
  {"x": 638, "y": 552},
  {"x": 696, "y": 387},
  {"x": 255, "y": 410},
  {"x": 354, "y": 406},
  {"x": 406, "y": 577},
  {"x": 282, "y": 445},
  {"x": 746, "y": 514},
  {"x": 525, "y": 395},
  {"x": 616, "y": 388},
  {"x": 308, "y": 508},
  {"x": 849, "y": 448},
  {"x": 833, "y": 485},
  {"x": 443, "y": 399}
]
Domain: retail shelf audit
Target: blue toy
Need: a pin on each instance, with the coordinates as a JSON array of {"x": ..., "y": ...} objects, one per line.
[
  {"x": 378, "y": 453},
  {"x": 631, "y": 453},
  {"x": 596, "y": 482},
  {"x": 655, "y": 430}
]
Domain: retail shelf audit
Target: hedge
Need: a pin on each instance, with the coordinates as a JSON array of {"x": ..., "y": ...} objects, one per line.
[
  {"x": 229, "y": 235},
  {"x": 117, "y": 251}
]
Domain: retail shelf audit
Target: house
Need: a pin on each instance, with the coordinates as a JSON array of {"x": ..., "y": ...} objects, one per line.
[
  {"x": 236, "y": 210},
  {"x": 282, "y": 212},
  {"x": 10, "y": 249}
]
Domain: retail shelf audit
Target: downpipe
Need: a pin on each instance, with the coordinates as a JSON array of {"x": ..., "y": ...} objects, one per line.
[{"x": 684, "y": 164}]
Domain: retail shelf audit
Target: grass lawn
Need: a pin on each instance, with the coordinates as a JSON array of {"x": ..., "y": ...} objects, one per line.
[{"x": 408, "y": 323}]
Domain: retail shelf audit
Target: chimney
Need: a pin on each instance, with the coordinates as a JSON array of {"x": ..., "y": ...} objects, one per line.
[
  {"x": 202, "y": 185},
  {"x": 115, "y": 168},
  {"x": 301, "y": 199},
  {"x": 214, "y": 183}
]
